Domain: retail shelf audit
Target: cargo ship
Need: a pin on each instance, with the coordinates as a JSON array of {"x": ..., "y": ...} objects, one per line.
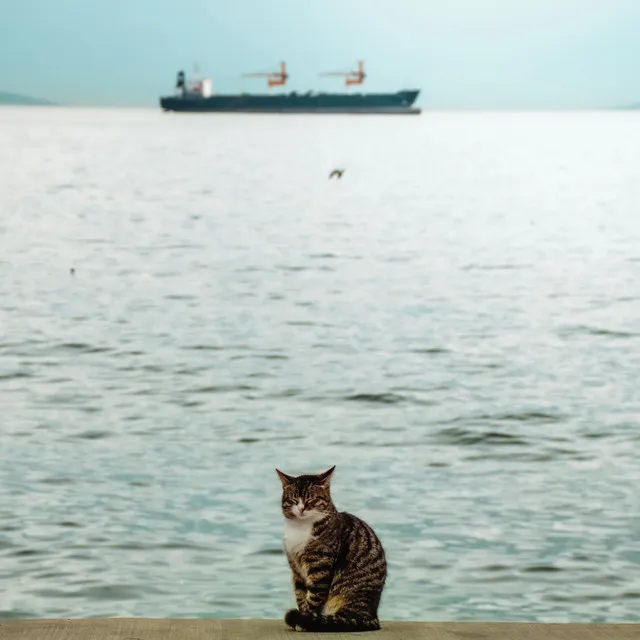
[{"x": 197, "y": 96}]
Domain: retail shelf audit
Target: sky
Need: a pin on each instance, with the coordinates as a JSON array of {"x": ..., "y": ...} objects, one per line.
[{"x": 461, "y": 54}]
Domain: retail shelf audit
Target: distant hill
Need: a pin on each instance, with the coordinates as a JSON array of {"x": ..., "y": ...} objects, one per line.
[{"x": 17, "y": 99}]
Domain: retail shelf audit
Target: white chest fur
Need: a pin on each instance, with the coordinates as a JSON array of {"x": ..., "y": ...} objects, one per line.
[{"x": 296, "y": 535}]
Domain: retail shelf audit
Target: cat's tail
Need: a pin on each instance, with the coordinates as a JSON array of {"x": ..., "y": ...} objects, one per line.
[{"x": 338, "y": 622}]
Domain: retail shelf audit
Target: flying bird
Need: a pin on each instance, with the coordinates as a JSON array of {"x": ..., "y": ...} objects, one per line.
[{"x": 336, "y": 172}]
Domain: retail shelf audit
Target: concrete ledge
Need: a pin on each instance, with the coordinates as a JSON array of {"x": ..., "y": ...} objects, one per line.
[{"x": 207, "y": 629}]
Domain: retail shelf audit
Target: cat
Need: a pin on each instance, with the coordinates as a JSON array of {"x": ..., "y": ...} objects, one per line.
[{"x": 338, "y": 564}]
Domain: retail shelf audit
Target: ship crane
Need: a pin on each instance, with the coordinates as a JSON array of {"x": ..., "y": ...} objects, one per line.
[
  {"x": 350, "y": 77},
  {"x": 275, "y": 79}
]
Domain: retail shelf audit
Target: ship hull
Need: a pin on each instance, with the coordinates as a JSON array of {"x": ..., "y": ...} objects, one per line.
[{"x": 400, "y": 103}]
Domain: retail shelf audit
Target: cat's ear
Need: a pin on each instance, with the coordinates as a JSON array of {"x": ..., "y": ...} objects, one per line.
[
  {"x": 284, "y": 478},
  {"x": 325, "y": 478}
]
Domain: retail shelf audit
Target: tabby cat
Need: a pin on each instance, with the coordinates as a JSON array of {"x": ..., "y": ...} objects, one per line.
[{"x": 337, "y": 561}]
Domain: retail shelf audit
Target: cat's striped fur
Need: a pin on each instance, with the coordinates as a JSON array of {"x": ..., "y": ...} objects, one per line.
[{"x": 337, "y": 561}]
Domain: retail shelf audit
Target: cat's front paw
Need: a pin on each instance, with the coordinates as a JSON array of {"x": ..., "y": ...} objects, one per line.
[
  {"x": 293, "y": 618},
  {"x": 299, "y": 621}
]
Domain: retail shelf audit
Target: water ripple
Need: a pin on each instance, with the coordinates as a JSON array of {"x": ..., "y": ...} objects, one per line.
[{"x": 463, "y": 355}]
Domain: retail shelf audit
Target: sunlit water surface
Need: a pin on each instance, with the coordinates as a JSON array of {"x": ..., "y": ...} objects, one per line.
[{"x": 455, "y": 324}]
